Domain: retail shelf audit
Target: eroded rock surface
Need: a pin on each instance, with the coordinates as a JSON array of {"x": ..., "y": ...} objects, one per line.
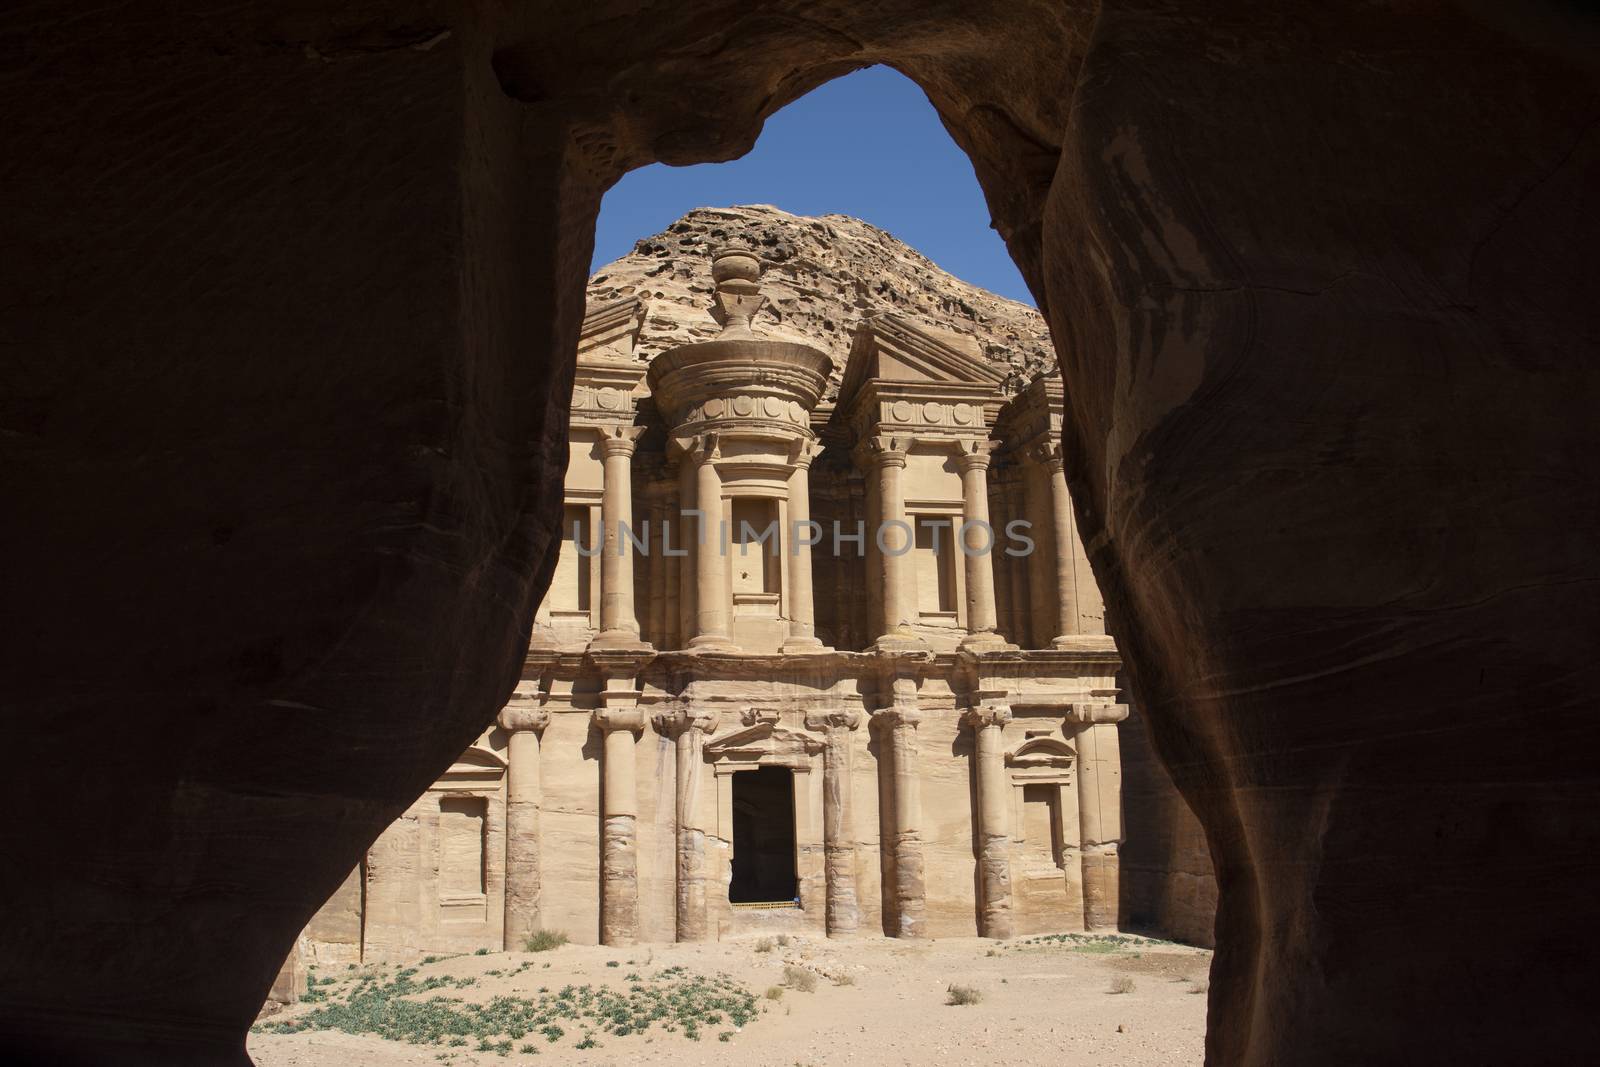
[
  {"x": 822, "y": 276},
  {"x": 289, "y": 298}
]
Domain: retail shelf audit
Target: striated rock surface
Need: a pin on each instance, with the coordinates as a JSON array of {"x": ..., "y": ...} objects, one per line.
[
  {"x": 287, "y": 305},
  {"x": 823, "y": 275}
]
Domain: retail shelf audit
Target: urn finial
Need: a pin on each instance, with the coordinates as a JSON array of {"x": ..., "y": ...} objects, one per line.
[{"x": 737, "y": 271}]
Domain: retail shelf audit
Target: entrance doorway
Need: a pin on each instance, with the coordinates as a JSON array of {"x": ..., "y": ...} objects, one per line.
[{"x": 763, "y": 837}]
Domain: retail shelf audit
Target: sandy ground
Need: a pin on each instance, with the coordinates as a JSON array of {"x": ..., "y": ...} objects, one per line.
[{"x": 1049, "y": 1002}]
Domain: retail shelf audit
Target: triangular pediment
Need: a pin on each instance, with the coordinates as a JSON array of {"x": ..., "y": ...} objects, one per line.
[
  {"x": 889, "y": 348},
  {"x": 765, "y": 742},
  {"x": 611, "y": 330}
]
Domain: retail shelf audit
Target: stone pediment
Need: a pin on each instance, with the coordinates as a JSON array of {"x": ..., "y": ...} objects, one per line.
[
  {"x": 609, "y": 381},
  {"x": 476, "y": 766},
  {"x": 1041, "y": 752},
  {"x": 610, "y": 331},
  {"x": 889, "y": 348},
  {"x": 765, "y": 743}
]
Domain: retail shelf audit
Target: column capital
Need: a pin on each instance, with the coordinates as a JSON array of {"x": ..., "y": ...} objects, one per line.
[
  {"x": 829, "y": 721},
  {"x": 674, "y": 722},
  {"x": 1047, "y": 454},
  {"x": 699, "y": 449},
  {"x": 759, "y": 716},
  {"x": 983, "y": 717},
  {"x": 803, "y": 450},
  {"x": 515, "y": 718},
  {"x": 884, "y": 450},
  {"x": 607, "y": 720},
  {"x": 974, "y": 454},
  {"x": 1095, "y": 714},
  {"x": 891, "y": 717},
  {"x": 619, "y": 440}
]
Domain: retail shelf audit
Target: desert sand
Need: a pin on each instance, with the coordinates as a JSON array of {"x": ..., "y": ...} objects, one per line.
[{"x": 876, "y": 1001}]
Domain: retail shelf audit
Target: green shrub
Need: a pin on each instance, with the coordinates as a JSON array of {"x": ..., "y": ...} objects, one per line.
[{"x": 544, "y": 941}]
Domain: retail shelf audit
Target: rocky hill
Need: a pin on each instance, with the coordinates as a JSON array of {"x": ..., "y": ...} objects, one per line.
[{"x": 823, "y": 276}]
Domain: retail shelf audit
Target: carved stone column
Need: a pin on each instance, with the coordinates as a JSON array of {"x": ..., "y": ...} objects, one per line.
[
  {"x": 994, "y": 858},
  {"x": 1064, "y": 537},
  {"x": 885, "y": 458},
  {"x": 898, "y": 734},
  {"x": 711, "y": 579},
  {"x": 619, "y": 846},
  {"x": 688, "y": 731},
  {"x": 978, "y": 546},
  {"x": 522, "y": 725},
  {"x": 619, "y": 621},
  {"x": 838, "y": 829},
  {"x": 1100, "y": 810},
  {"x": 801, "y": 610}
]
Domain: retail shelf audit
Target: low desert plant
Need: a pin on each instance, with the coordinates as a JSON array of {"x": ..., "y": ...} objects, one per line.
[
  {"x": 1201, "y": 986},
  {"x": 963, "y": 994},
  {"x": 844, "y": 979},
  {"x": 774, "y": 992},
  {"x": 544, "y": 941},
  {"x": 1122, "y": 984},
  {"x": 764, "y": 944},
  {"x": 799, "y": 978}
]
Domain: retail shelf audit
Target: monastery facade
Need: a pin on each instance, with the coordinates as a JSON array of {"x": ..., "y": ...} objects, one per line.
[{"x": 806, "y": 664}]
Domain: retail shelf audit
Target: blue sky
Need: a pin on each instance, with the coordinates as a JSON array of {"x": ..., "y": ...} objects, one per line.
[{"x": 869, "y": 145}]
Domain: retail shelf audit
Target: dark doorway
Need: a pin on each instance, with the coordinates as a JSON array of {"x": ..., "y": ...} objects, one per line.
[{"x": 763, "y": 837}]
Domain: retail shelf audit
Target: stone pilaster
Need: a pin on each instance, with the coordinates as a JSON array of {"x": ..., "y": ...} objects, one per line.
[
  {"x": 688, "y": 730},
  {"x": 619, "y": 621},
  {"x": 656, "y": 590},
  {"x": 838, "y": 828},
  {"x": 994, "y": 858},
  {"x": 523, "y": 725}
]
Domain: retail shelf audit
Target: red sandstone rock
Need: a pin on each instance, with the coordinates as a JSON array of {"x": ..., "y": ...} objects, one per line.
[{"x": 288, "y": 298}]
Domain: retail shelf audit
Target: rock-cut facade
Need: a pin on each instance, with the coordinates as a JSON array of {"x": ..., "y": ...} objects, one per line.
[{"x": 811, "y": 664}]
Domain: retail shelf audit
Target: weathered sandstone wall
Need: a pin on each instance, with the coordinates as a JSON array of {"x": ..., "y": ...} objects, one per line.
[
  {"x": 1168, "y": 886},
  {"x": 822, "y": 276}
]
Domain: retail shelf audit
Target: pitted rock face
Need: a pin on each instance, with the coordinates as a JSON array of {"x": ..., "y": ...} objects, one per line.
[{"x": 822, "y": 276}]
